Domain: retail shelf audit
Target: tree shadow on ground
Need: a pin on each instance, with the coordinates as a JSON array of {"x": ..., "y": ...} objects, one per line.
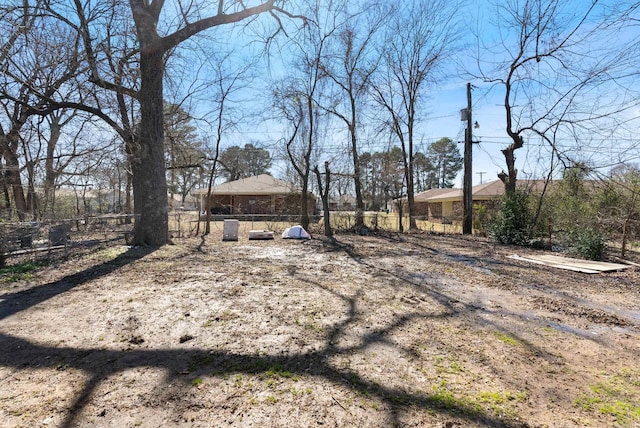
[
  {"x": 181, "y": 365},
  {"x": 13, "y": 303}
]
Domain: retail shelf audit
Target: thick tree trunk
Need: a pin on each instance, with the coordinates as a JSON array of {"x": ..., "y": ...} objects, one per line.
[
  {"x": 147, "y": 160},
  {"x": 51, "y": 175},
  {"x": 509, "y": 178},
  {"x": 12, "y": 175},
  {"x": 5, "y": 192},
  {"x": 127, "y": 199},
  {"x": 32, "y": 196}
]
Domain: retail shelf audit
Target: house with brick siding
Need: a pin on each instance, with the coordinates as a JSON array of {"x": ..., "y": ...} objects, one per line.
[
  {"x": 445, "y": 205},
  {"x": 258, "y": 195}
]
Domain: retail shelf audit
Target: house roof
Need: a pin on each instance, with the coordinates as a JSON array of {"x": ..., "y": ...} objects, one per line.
[
  {"x": 490, "y": 190},
  {"x": 263, "y": 184},
  {"x": 430, "y": 193}
]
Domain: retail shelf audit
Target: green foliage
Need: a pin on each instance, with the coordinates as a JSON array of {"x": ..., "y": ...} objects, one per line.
[
  {"x": 18, "y": 272},
  {"x": 447, "y": 161},
  {"x": 581, "y": 213},
  {"x": 511, "y": 224},
  {"x": 618, "y": 205},
  {"x": 248, "y": 161},
  {"x": 585, "y": 242},
  {"x": 505, "y": 338},
  {"x": 571, "y": 203},
  {"x": 616, "y": 395}
]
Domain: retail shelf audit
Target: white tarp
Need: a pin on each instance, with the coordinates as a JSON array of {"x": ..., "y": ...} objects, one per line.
[{"x": 295, "y": 232}]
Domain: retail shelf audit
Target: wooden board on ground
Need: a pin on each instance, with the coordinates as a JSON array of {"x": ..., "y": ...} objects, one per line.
[{"x": 584, "y": 266}]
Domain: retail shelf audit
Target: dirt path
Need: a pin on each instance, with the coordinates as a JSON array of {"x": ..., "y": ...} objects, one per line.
[{"x": 414, "y": 331}]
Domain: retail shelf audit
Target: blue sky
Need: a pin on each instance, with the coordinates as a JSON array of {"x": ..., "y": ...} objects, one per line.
[{"x": 441, "y": 111}]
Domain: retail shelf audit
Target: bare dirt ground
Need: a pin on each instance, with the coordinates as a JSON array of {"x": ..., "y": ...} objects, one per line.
[{"x": 410, "y": 331}]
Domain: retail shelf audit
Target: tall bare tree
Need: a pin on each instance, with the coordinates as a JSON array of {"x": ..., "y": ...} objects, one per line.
[
  {"x": 350, "y": 67},
  {"x": 63, "y": 136},
  {"x": 297, "y": 98},
  {"x": 420, "y": 39},
  {"x": 157, "y": 35},
  {"x": 226, "y": 80},
  {"x": 565, "y": 71},
  {"x": 39, "y": 60}
]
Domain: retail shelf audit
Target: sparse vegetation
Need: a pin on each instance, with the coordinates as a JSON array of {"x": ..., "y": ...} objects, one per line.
[
  {"x": 508, "y": 339},
  {"x": 19, "y": 272},
  {"x": 617, "y": 395},
  {"x": 395, "y": 340}
]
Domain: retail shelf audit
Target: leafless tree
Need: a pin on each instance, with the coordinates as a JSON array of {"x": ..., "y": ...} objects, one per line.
[
  {"x": 324, "y": 187},
  {"x": 298, "y": 97},
  {"x": 421, "y": 37},
  {"x": 61, "y": 137},
  {"x": 39, "y": 61},
  {"x": 224, "y": 82},
  {"x": 350, "y": 67},
  {"x": 566, "y": 71}
]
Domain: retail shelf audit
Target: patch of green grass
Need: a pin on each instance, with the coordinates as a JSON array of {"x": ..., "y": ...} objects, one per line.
[
  {"x": 19, "y": 272},
  {"x": 359, "y": 385},
  {"x": 443, "y": 398},
  {"x": 314, "y": 327},
  {"x": 276, "y": 370},
  {"x": 196, "y": 382},
  {"x": 618, "y": 395},
  {"x": 501, "y": 402},
  {"x": 505, "y": 338},
  {"x": 238, "y": 380},
  {"x": 451, "y": 367},
  {"x": 500, "y": 397},
  {"x": 548, "y": 329},
  {"x": 271, "y": 399}
]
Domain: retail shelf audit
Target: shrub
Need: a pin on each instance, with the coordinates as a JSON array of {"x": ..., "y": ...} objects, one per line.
[
  {"x": 511, "y": 224},
  {"x": 585, "y": 242}
]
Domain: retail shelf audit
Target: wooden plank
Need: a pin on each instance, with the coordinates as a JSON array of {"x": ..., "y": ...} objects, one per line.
[
  {"x": 555, "y": 265},
  {"x": 587, "y": 264},
  {"x": 584, "y": 266}
]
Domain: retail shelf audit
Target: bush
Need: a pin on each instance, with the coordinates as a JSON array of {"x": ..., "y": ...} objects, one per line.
[
  {"x": 585, "y": 242},
  {"x": 511, "y": 224}
]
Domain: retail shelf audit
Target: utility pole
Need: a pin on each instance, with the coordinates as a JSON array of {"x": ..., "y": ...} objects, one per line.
[
  {"x": 481, "y": 174},
  {"x": 467, "y": 196}
]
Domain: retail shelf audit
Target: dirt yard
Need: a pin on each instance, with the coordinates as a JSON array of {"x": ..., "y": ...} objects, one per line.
[{"x": 408, "y": 331}]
